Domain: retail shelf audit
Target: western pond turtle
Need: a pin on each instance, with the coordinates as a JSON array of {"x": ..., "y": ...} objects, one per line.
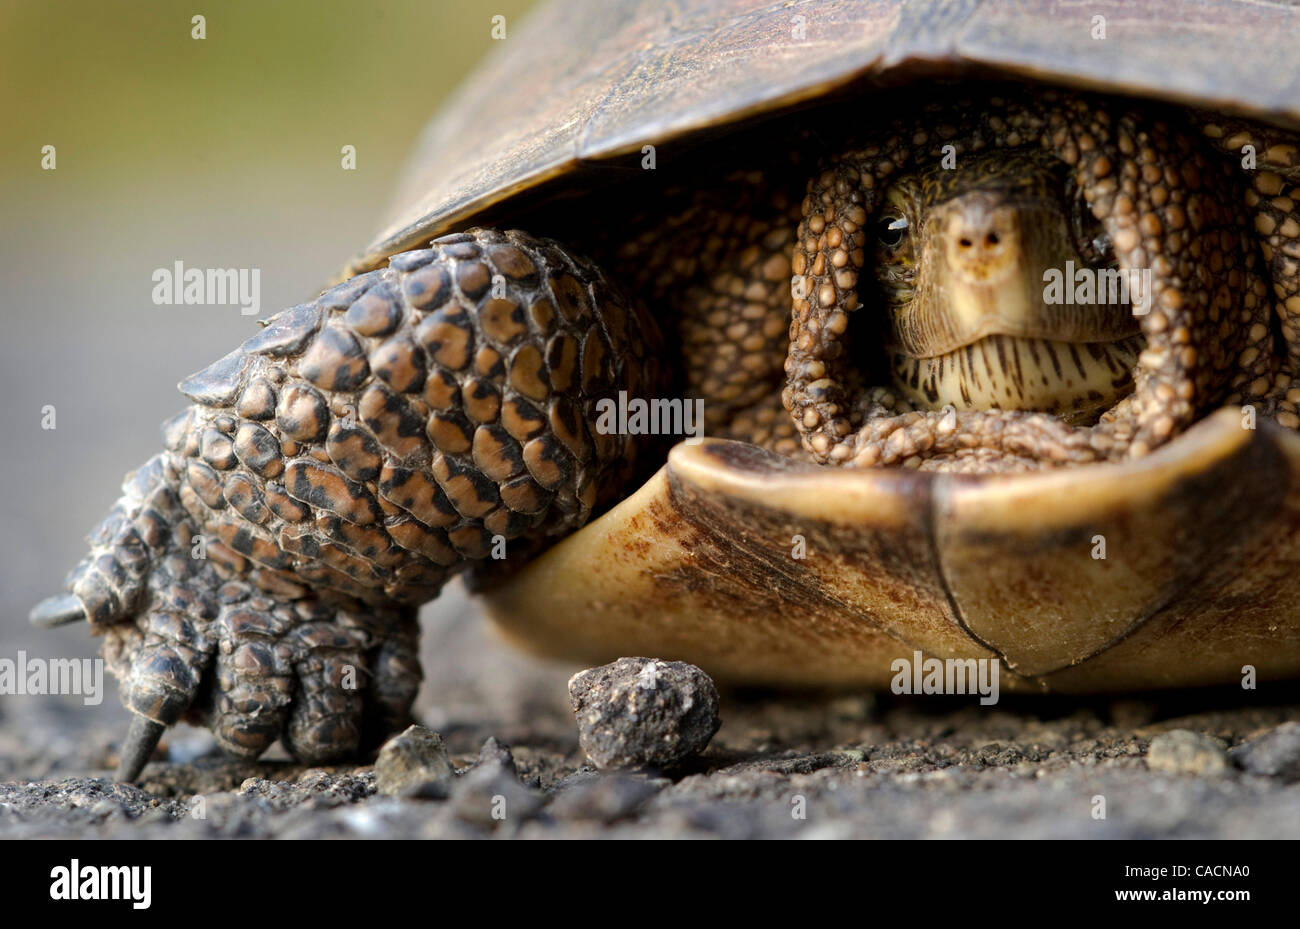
[{"x": 986, "y": 312}]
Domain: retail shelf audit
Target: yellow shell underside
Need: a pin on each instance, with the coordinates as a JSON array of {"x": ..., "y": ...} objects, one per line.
[{"x": 1177, "y": 569}]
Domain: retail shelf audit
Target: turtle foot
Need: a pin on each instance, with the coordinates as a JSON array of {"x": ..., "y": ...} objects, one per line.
[
  {"x": 248, "y": 655},
  {"x": 329, "y": 680}
]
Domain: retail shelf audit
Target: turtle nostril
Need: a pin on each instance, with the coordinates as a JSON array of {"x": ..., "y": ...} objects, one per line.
[{"x": 979, "y": 242}]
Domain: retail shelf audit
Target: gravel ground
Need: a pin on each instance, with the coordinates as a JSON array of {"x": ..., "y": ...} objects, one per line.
[{"x": 782, "y": 765}]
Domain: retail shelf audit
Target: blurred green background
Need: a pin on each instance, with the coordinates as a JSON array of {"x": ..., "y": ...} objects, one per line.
[{"x": 223, "y": 152}]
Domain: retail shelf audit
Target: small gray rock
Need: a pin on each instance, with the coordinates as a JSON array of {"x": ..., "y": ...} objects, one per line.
[
  {"x": 644, "y": 713},
  {"x": 494, "y": 753},
  {"x": 1276, "y": 753},
  {"x": 490, "y": 793},
  {"x": 414, "y": 764},
  {"x": 1183, "y": 751}
]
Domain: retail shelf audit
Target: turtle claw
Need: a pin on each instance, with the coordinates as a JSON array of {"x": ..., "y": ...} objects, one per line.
[
  {"x": 141, "y": 739},
  {"x": 219, "y": 642},
  {"x": 324, "y": 679},
  {"x": 57, "y": 611}
]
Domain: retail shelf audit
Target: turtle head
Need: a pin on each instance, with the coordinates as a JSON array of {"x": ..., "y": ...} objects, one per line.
[{"x": 976, "y": 265}]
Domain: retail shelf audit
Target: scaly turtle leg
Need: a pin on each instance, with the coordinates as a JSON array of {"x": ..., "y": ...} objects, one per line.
[
  {"x": 261, "y": 576},
  {"x": 1273, "y": 202}
]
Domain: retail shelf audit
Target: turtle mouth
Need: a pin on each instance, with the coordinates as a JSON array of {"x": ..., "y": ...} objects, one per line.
[
  {"x": 1076, "y": 381},
  {"x": 983, "y": 311}
]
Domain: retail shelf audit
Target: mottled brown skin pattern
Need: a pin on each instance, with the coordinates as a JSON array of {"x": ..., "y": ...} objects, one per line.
[
  {"x": 1167, "y": 203},
  {"x": 363, "y": 448},
  {"x": 721, "y": 259},
  {"x": 249, "y": 652},
  {"x": 1273, "y": 203},
  {"x": 340, "y": 466}
]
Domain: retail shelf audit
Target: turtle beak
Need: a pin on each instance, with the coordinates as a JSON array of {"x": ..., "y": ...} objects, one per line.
[
  {"x": 989, "y": 273},
  {"x": 987, "y": 265}
]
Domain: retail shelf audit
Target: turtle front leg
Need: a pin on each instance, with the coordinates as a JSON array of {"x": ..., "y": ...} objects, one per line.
[
  {"x": 261, "y": 576},
  {"x": 1269, "y": 161},
  {"x": 192, "y": 635}
]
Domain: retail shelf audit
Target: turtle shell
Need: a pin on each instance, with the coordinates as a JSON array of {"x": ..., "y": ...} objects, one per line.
[
  {"x": 1177, "y": 569},
  {"x": 534, "y": 116}
]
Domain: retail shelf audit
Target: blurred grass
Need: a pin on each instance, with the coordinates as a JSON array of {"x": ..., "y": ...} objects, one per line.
[{"x": 123, "y": 90}]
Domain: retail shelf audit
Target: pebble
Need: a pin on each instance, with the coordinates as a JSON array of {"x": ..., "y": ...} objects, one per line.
[
  {"x": 1276, "y": 753},
  {"x": 490, "y": 793},
  {"x": 1183, "y": 751},
  {"x": 643, "y": 713},
  {"x": 414, "y": 764}
]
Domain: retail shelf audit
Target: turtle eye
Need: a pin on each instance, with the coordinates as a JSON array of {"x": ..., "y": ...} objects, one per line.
[{"x": 891, "y": 231}]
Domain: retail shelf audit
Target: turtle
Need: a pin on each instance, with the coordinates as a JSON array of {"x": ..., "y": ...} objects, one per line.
[{"x": 789, "y": 340}]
